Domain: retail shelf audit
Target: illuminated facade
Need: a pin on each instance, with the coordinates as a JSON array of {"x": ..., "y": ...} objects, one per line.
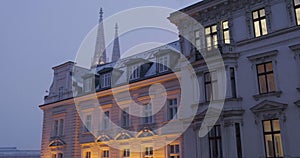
[{"x": 259, "y": 43}]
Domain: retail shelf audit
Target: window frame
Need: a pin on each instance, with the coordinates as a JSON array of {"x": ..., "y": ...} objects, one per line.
[
  {"x": 163, "y": 63},
  {"x": 172, "y": 108},
  {"x": 297, "y": 7},
  {"x": 147, "y": 117},
  {"x": 105, "y": 80},
  {"x": 88, "y": 123},
  {"x": 174, "y": 154},
  {"x": 88, "y": 85},
  {"x": 105, "y": 153},
  {"x": 105, "y": 120},
  {"x": 225, "y": 30},
  {"x": 125, "y": 117},
  {"x": 58, "y": 127},
  {"x": 217, "y": 140},
  {"x": 126, "y": 153},
  {"x": 134, "y": 72},
  {"x": 210, "y": 36},
  {"x": 151, "y": 152},
  {"x": 259, "y": 19},
  {"x": 213, "y": 81},
  {"x": 265, "y": 74},
  {"x": 233, "y": 82}
]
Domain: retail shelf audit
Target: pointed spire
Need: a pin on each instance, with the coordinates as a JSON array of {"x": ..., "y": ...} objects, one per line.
[
  {"x": 116, "y": 47},
  {"x": 100, "y": 52}
]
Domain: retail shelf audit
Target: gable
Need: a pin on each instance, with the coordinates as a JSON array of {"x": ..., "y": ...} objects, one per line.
[{"x": 267, "y": 105}]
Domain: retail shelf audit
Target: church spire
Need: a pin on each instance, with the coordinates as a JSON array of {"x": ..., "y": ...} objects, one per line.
[
  {"x": 116, "y": 47},
  {"x": 100, "y": 52}
]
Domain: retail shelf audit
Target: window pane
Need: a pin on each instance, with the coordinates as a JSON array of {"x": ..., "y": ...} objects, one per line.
[
  {"x": 269, "y": 67},
  {"x": 255, "y": 14},
  {"x": 298, "y": 15},
  {"x": 297, "y": 2},
  {"x": 225, "y": 25},
  {"x": 269, "y": 146},
  {"x": 214, "y": 28},
  {"x": 267, "y": 126},
  {"x": 271, "y": 83},
  {"x": 208, "y": 42},
  {"x": 264, "y": 27},
  {"x": 262, "y": 84},
  {"x": 276, "y": 126},
  {"x": 262, "y": 12},
  {"x": 278, "y": 145},
  {"x": 215, "y": 38},
  {"x": 226, "y": 37},
  {"x": 257, "y": 29},
  {"x": 207, "y": 30},
  {"x": 261, "y": 68}
]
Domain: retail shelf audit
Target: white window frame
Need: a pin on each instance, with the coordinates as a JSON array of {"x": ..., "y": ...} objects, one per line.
[
  {"x": 126, "y": 153},
  {"x": 58, "y": 127},
  {"x": 123, "y": 114},
  {"x": 175, "y": 154},
  {"x": 172, "y": 107},
  {"x": 105, "y": 153},
  {"x": 88, "y": 123},
  {"x": 106, "y": 120},
  {"x": 211, "y": 37},
  {"x": 163, "y": 65},
  {"x": 88, "y": 85},
  {"x": 134, "y": 72},
  {"x": 106, "y": 80},
  {"x": 147, "y": 113}
]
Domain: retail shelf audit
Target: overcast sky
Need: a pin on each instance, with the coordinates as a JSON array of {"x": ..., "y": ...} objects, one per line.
[{"x": 36, "y": 35}]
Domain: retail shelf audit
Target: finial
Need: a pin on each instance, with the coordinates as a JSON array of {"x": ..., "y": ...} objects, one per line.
[
  {"x": 116, "y": 27},
  {"x": 101, "y": 14}
]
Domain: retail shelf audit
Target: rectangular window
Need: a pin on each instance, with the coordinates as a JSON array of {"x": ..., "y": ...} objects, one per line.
[
  {"x": 106, "y": 120},
  {"x": 272, "y": 136},
  {"x": 60, "y": 155},
  {"x": 211, "y": 36},
  {"x": 163, "y": 63},
  {"x": 53, "y": 155},
  {"x": 172, "y": 106},
  {"x": 88, "y": 123},
  {"x": 215, "y": 142},
  {"x": 87, "y": 154},
  {"x": 126, "y": 153},
  {"x": 147, "y": 114},
  {"x": 233, "y": 82},
  {"x": 105, "y": 153},
  {"x": 134, "y": 72},
  {"x": 174, "y": 151},
  {"x": 149, "y": 152},
  {"x": 58, "y": 127},
  {"x": 265, "y": 77},
  {"x": 259, "y": 22},
  {"x": 105, "y": 80},
  {"x": 297, "y": 11},
  {"x": 211, "y": 86},
  {"x": 226, "y": 35},
  {"x": 88, "y": 85},
  {"x": 125, "y": 117},
  {"x": 238, "y": 140},
  {"x": 60, "y": 92},
  {"x": 197, "y": 45}
]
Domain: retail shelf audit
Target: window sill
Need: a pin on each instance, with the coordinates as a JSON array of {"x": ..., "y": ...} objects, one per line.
[
  {"x": 259, "y": 96},
  {"x": 216, "y": 101}
]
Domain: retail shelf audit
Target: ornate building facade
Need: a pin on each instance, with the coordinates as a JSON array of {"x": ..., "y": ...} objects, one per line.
[{"x": 259, "y": 41}]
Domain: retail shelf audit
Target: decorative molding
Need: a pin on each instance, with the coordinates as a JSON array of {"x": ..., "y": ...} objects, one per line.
[
  {"x": 258, "y": 96},
  {"x": 295, "y": 48},
  {"x": 290, "y": 7},
  {"x": 263, "y": 56},
  {"x": 267, "y": 106}
]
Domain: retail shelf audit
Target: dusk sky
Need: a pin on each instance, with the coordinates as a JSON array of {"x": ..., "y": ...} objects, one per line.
[{"x": 36, "y": 35}]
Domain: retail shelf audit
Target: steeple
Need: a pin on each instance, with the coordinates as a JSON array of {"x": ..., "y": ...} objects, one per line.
[
  {"x": 116, "y": 47},
  {"x": 100, "y": 52}
]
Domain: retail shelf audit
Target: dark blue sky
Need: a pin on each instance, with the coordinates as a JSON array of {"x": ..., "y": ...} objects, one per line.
[{"x": 36, "y": 35}]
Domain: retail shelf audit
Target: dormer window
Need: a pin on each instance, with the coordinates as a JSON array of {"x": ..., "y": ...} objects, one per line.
[
  {"x": 134, "y": 71},
  {"x": 163, "y": 63},
  {"x": 87, "y": 85},
  {"x": 106, "y": 80}
]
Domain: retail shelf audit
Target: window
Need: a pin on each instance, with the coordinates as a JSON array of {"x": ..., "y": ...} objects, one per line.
[
  {"x": 238, "y": 140},
  {"x": 272, "y": 137},
  {"x": 105, "y": 80},
  {"x": 174, "y": 151},
  {"x": 233, "y": 83},
  {"x": 53, "y": 155},
  {"x": 58, "y": 127},
  {"x": 215, "y": 143},
  {"x": 87, "y": 154},
  {"x": 163, "y": 63},
  {"x": 211, "y": 37},
  {"x": 60, "y": 155},
  {"x": 265, "y": 77},
  {"x": 60, "y": 92},
  {"x": 88, "y": 123},
  {"x": 134, "y": 72},
  {"x": 211, "y": 86},
  {"x": 197, "y": 40},
  {"x": 149, "y": 152},
  {"x": 88, "y": 85},
  {"x": 105, "y": 154},
  {"x": 259, "y": 22},
  {"x": 297, "y": 11},
  {"x": 106, "y": 120},
  {"x": 126, "y": 153},
  {"x": 147, "y": 114},
  {"x": 172, "y": 106},
  {"x": 125, "y": 117},
  {"x": 226, "y": 35}
]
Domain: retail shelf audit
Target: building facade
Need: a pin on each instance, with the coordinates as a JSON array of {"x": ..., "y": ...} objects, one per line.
[
  {"x": 259, "y": 41},
  {"x": 13, "y": 152}
]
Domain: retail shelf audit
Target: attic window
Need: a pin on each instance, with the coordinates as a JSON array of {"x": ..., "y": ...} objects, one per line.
[
  {"x": 163, "y": 63},
  {"x": 105, "y": 80},
  {"x": 88, "y": 85},
  {"x": 134, "y": 71}
]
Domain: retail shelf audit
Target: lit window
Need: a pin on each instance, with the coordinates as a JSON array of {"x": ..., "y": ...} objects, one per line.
[
  {"x": 163, "y": 63},
  {"x": 147, "y": 113},
  {"x": 215, "y": 142},
  {"x": 125, "y": 117},
  {"x": 134, "y": 71},
  {"x": 126, "y": 153},
  {"x": 58, "y": 127},
  {"x": 297, "y": 10},
  {"x": 211, "y": 37},
  {"x": 259, "y": 22},
  {"x": 211, "y": 86},
  {"x": 88, "y": 123},
  {"x": 226, "y": 35},
  {"x": 172, "y": 105},
  {"x": 265, "y": 76},
  {"x": 87, "y": 154},
  {"x": 272, "y": 136},
  {"x": 88, "y": 85},
  {"x": 106, "y": 120},
  {"x": 149, "y": 152},
  {"x": 174, "y": 151},
  {"x": 105, "y": 80},
  {"x": 105, "y": 153}
]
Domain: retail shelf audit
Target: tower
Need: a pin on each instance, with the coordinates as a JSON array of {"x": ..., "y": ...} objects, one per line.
[
  {"x": 116, "y": 47},
  {"x": 100, "y": 52}
]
